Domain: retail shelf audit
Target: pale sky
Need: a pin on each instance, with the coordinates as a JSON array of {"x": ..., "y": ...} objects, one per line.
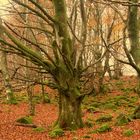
[{"x": 3, "y": 2}]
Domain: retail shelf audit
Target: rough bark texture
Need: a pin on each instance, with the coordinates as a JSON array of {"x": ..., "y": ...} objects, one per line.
[{"x": 69, "y": 113}]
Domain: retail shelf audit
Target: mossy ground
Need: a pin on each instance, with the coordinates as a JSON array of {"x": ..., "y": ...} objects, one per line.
[{"x": 105, "y": 107}]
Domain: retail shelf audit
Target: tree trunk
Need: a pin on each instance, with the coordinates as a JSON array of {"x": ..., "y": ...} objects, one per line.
[
  {"x": 70, "y": 116},
  {"x": 5, "y": 74},
  {"x": 117, "y": 70},
  {"x": 133, "y": 32},
  {"x": 6, "y": 77},
  {"x": 30, "y": 99}
]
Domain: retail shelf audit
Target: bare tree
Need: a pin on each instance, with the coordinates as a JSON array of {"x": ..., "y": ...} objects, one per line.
[{"x": 5, "y": 73}]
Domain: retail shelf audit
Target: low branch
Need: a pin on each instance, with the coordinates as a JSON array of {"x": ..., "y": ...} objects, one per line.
[{"x": 26, "y": 125}]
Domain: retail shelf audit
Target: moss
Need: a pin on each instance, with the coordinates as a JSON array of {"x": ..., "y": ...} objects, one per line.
[
  {"x": 128, "y": 133},
  {"x": 12, "y": 101},
  {"x": 104, "y": 89},
  {"x": 104, "y": 128},
  {"x": 22, "y": 98},
  {"x": 122, "y": 119},
  {"x": 46, "y": 99},
  {"x": 119, "y": 101},
  {"x": 56, "y": 132},
  {"x": 120, "y": 97},
  {"x": 25, "y": 120},
  {"x": 96, "y": 104},
  {"x": 136, "y": 113},
  {"x": 75, "y": 138},
  {"x": 89, "y": 123},
  {"x": 119, "y": 83},
  {"x": 127, "y": 90},
  {"x": 109, "y": 105},
  {"x": 36, "y": 99},
  {"x": 91, "y": 109},
  {"x": 105, "y": 118},
  {"x": 39, "y": 129},
  {"x": 87, "y": 137},
  {"x": 133, "y": 99}
]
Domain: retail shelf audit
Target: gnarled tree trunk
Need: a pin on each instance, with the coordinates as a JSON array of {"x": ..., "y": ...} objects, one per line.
[{"x": 70, "y": 116}]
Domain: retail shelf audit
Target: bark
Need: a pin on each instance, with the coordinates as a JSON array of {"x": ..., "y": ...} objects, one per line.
[
  {"x": 70, "y": 116},
  {"x": 5, "y": 73},
  {"x": 117, "y": 70},
  {"x": 62, "y": 68},
  {"x": 30, "y": 99},
  {"x": 66, "y": 75},
  {"x": 133, "y": 31},
  {"x": 6, "y": 77}
]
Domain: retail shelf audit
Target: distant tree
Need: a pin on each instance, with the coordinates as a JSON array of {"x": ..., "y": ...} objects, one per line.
[{"x": 5, "y": 73}]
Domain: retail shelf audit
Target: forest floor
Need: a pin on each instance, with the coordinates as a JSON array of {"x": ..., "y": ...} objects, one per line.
[{"x": 121, "y": 99}]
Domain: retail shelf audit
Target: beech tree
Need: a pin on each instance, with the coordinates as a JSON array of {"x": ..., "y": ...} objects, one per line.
[
  {"x": 60, "y": 61},
  {"x": 133, "y": 32},
  {"x": 5, "y": 73}
]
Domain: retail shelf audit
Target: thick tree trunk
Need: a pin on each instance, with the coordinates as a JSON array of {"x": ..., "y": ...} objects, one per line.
[
  {"x": 70, "y": 116},
  {"x": 133, "y": 33}
]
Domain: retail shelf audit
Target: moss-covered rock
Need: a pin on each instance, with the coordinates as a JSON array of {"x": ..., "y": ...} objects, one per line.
[
  {"x": 136, "y": 114},
  {"x": 25, "y": 120},
  {"x": 39, "y": 129},
  {"x": 104, "y": 128},
  {"x": 105, "y": 118},
  {"x": 87, "y": 136},
  {"x": 128, "y": 133},
  {"x": 56, "y": 132},
  {"x": 122, "y": 119}
]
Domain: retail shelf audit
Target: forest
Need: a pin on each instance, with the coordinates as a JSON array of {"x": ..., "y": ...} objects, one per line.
[{"x": 69, "y": 69}]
